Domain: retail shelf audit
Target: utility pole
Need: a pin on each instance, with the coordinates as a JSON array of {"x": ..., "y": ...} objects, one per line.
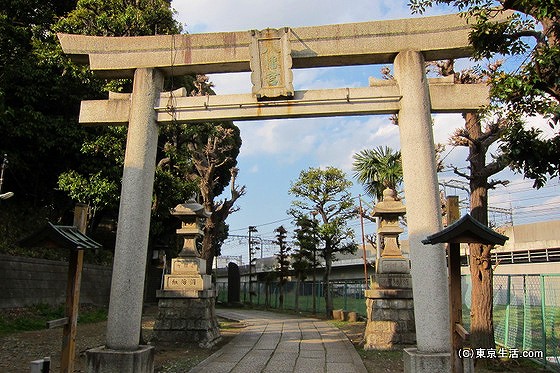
[
  {"x": 363, "y": 242},
  {"x": 252, "y": 229}
]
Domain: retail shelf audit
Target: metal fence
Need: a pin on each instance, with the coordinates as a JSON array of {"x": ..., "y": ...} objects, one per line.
[
  {"x": 526, "y": 307},
  {"x": 347, "y": 295},
  {"x": 526, "y": 314}
]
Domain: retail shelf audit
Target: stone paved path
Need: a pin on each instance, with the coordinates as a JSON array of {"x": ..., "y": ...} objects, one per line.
[{"x": 276, "y": 343}]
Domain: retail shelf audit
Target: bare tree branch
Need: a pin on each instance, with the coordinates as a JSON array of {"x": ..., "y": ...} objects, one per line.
[{"x": 462, "y": 174}]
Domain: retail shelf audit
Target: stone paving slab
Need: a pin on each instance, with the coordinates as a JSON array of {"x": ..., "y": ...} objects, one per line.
[{"x": 277, "y": 343}]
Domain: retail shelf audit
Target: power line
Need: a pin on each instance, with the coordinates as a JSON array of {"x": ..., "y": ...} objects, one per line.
[
  {"x": 261, "y": 225},
  {"x": 525, "y": 199}
]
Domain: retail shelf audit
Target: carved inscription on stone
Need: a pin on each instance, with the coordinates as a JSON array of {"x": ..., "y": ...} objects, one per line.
[
  {"x": 271, "y": 60},
  {"x": 271, "y": 64},
  {"x": 183, "y": 283},
  {"x": 394, "y": 265}
]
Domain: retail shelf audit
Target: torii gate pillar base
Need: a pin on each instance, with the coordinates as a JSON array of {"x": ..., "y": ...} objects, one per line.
[
  {"x": 425, "y": 362},
  {"x": 104, "y": 360}
]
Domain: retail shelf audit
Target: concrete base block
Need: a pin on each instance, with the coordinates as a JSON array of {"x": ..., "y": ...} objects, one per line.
[
  {"x": 468, "y": 365},
  {"x": 104, "y": 360},
  {"x": 187, "y": 320},
  {"x": 418, "y": 362}
]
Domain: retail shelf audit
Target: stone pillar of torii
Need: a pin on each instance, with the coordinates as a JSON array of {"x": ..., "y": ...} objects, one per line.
[{"x": 270, "y": 55}]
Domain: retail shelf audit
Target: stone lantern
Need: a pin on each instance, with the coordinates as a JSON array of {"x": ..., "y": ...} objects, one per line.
[
  {"x": 186, "y": 303},
  {"x": 390, "y": 308},
  {"x": 389, "y": 210},
  {"x": 188, "y": 271}
]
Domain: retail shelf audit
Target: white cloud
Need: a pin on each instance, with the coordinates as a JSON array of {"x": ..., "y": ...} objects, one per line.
[
  {"x": 227, "y": 15},
  {"x": 287, "y": 140},
  {"x": 350, "y": 135},
  {"x": 232, "y": 83},
  {"x": 254, "y": 169},
  {"x": 542, "y": 124},
  {"x": 317, "y": 141},
  {"x": 444, "y": 125}
]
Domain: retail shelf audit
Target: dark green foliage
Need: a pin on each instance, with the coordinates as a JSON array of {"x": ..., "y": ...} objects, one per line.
[
  {"x": 526, "y": 148},
  {"x": 120, "y": 18},
  {"x": 533, "y": 33},
  {"x": 283, "y": 260},
  {"x": 40, "y": 93},
  {"x": 283, "y": 254},
  {"x": 307, "y": 240}
]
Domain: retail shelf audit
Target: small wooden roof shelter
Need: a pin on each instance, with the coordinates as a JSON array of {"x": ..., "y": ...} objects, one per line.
[
  {"x": 63, "y": 236},
  {"x": 465, "y": 230}
]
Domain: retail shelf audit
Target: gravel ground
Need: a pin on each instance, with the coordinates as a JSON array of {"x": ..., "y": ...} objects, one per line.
[{"x": 19, "y": 349}]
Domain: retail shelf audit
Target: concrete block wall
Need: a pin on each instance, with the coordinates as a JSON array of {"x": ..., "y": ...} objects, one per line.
[{"x": 28, "y": 281}]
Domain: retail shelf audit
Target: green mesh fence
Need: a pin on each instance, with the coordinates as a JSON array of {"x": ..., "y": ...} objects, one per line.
[
  {"x": 298, "y": 296},
  {"x": 526, "y": 314}
]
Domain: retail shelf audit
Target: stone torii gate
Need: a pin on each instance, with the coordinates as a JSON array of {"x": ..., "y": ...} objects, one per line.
[{"x": 270, "y": 55}]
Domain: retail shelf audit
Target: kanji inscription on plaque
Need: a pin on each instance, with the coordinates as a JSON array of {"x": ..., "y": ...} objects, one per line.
[{"x": 271, "y": 64}]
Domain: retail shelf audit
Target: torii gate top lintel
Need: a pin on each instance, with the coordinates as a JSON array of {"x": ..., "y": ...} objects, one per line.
[{"x": 375, "y": 42}]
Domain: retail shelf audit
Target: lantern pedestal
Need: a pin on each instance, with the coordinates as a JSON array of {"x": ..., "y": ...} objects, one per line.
[
  {"x": 183, "y": 317},
  {"x": 390, "y": 312},
  {"x": 415, "y": 361}
]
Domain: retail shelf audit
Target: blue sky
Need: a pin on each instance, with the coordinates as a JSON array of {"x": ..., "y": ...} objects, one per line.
[{"x": 274, "y": 152}]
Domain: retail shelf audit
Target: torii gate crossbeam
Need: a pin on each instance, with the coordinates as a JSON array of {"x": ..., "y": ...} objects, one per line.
[
  {"x": 382, "y": 97},
  {"x": 361, "y": 43}
]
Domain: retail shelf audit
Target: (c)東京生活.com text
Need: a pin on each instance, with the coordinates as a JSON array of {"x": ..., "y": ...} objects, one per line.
[{"x": 496, "y": 353}]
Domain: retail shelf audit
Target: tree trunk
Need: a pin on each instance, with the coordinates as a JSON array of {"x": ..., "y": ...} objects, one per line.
[
  {"x": 267, "y": 295},
  {"x": 207, "y": 249},
  {"x": 281, "y": 297},
  {"x": 482, "y": 324},
  {"x": 327, "y": 286},
  {"x": 296, "y": 301}
]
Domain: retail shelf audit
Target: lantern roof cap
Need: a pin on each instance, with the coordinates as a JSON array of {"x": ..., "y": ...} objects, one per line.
[
  {"x": 191, "y": 207},
  {"x": 389, "y": 205}
]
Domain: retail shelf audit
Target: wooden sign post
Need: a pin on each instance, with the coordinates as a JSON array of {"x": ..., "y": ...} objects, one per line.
[
  {"x": 74, "y": 239},
  {"x": 75, "y": 264}
]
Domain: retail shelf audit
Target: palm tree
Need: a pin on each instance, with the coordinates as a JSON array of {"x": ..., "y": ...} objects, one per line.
[{"x": 378, "y": 169}]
